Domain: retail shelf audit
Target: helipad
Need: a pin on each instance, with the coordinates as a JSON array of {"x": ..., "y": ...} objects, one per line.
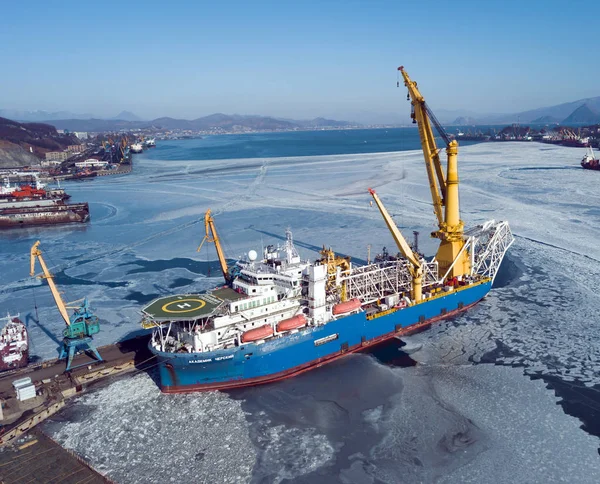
[{"x": 182, "y": 306}]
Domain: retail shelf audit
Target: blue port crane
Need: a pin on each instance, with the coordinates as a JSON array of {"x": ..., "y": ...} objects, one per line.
[{"x": 81, "y": 325}]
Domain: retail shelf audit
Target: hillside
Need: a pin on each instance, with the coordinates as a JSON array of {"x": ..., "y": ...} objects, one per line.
[
  {"x": 24, "y": 143},
  {"x": 545, "y": 120},
  {"x": 582, "y": 115}
]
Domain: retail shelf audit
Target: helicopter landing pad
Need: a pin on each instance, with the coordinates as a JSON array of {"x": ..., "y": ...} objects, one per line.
[{"x": 182, "y": 307}]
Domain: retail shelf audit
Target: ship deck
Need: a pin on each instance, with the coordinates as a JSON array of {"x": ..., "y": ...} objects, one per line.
[{"x": 188, "y": 307}]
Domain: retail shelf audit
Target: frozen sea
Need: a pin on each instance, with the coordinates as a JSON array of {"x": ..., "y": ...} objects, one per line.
[{"x": 507, "y": 392}]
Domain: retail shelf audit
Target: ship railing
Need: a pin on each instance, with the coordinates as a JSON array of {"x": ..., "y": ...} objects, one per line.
[{"x": 488, "y": 245}]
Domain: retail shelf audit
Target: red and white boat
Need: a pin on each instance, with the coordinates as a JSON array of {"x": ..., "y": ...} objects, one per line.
[{"x": 14, "y": 344}]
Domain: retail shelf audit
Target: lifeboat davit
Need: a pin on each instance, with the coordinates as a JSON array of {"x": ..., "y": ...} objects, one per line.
[
  {"x": 291, "y": 323},
  {"x": 256, "y": 334},
  {"x": 347, "y": 306}
]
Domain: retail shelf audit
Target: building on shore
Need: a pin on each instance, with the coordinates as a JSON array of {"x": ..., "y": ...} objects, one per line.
[
  {"x": 57, "y": 156},
  {"x": 91, "y": 163},
  {"x": 76, "y": 149},
  {"x": 50, "y": 163}
]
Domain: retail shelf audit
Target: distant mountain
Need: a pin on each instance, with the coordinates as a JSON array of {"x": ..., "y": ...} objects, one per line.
[
  {"x": 560, "y": 111},
  {"x": 545, "y": 120},
  {"x": 36, "y": 116},
  {"x": 324, "y": 123},
  {"x": 464, "y": 121},
  {"x": 582, "y": 115},
  {"x": 226, "y": 122},
  {"x": 92, "y": 125},
  {"x": 126, "y": 116}
]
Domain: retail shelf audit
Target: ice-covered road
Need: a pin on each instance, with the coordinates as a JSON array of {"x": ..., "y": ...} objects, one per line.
[{"x": 543, "y": 314}]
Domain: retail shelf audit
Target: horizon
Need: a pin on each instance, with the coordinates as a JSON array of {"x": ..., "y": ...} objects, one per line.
[{"x": 335, "y": 60}]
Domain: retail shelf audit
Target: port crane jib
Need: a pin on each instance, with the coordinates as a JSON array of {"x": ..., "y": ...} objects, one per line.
[
  {"x": 211, "y": 236},
  {"x": 80, "y": 326}
]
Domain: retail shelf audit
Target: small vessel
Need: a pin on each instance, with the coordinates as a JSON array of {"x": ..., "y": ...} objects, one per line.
[
  {"x": 14, "y": 344},
  {"x": 136, "y": 148},
  {"x": 589, "y": 161}
]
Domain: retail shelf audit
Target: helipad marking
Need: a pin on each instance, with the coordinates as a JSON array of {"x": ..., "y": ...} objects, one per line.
[{"x": 184, "y": 306}]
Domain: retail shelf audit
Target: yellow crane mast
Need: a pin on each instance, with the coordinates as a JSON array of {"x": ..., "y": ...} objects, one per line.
[
  {"x": 62, "y": 308},
  {"x": 452, "y": 259},
  {"x": 334, "y": 262},
  {"x": 211, "y": 236},
  {"x": 416, "y": 266}
]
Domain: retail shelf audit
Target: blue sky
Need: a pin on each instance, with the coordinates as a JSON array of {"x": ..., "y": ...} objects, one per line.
[{"x": 295, "y": 59}]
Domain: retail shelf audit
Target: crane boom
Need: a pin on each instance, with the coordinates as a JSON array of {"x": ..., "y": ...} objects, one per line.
[
  {"x": 452, "y": 260},
  {"x": 396, "y": 234},
  {"x": 416, "y": 268},
  {"x": 36, "y": 252},
  {"x": 431, "y": 153},
  {"x": 209, "y": 226}
]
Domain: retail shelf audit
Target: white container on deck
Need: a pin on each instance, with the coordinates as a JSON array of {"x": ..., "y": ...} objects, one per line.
[{"x": 24, "y": 388}]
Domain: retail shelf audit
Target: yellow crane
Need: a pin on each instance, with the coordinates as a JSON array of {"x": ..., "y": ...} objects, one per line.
[
  {"x": 416, "y": 266},
  {"x": 37, "y": 253},
  {"x": 80, "y": 326},
  {"x": 211, "y": 236},
  {"x": 452, "y": 259}
]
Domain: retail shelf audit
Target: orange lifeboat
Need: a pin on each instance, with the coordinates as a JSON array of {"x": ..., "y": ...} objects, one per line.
[
  {"x": 291, "y": 323},
  {"x": 347, "y": 306},
  {"x": 255, "y": 334}
]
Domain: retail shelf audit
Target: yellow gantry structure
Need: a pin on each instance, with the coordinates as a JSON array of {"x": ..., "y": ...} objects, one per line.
[
  {"x": 37, "y": 253},
  {"x": 211, "y": 236},
  {"x": 451, "y": 256}
]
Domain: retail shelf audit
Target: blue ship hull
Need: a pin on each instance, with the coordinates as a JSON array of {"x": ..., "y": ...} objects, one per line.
[{"x": 252, "y": 363}]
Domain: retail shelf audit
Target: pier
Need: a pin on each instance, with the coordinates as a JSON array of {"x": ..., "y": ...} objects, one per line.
[{"x": 54, "y": 386}]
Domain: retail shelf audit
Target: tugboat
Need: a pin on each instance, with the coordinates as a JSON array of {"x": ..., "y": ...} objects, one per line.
[
  {"x": 589, "y": 162},
  {"x": 14, "y": 344}
]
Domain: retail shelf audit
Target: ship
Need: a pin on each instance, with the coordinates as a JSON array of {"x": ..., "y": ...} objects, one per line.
[
  {"x": 476, "y": 136},
  {"x": 279, "y": 316},
  {"x": 136, "y": 148},
  {"x": 150, "y": 143},
  {"x": 26, "y": 212},
  {"x": 14, "y": 344},
  {"x": 589, "y": 161},
  {"x": 28, "y": 192}
]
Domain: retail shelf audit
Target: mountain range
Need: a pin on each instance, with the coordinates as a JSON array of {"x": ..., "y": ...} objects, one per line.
[
  {"x": 582, "y": 111},
  {"x": 226, "y": 122}
]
